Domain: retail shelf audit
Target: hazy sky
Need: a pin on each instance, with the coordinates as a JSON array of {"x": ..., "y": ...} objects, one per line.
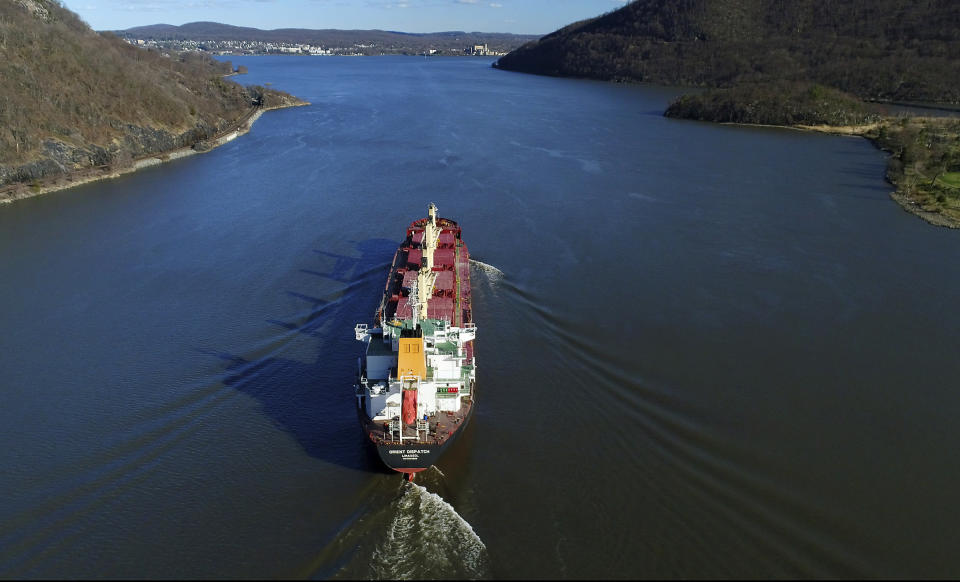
[{"x": 517, "y": 16}]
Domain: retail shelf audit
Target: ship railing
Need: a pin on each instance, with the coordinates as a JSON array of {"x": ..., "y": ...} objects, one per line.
[
  {"x": 451, "y": 377},
  {"x": 466, "y": 376},
  {"x": 393, "y": 432},
  {"x": 396, "y": 428},
  {"x": 468, "y": 332},
  {"x": 361, "y": 331}
]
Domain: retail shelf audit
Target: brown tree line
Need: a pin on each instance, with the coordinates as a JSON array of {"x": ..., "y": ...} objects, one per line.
[{"x": 774, "y": 103}]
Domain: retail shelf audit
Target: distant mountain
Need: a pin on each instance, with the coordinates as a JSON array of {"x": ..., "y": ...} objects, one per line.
[
  {"x": 382, "y": 39},
  {"x": 72, "y": 99},
  {"x": 900, "y": 50},
  {"x": 190, "y": 31}
]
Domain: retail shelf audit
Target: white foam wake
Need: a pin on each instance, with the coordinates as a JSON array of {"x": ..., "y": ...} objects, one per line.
[
  {"x": 490, "y": 270},
  {"x": 427, "y": 538}
]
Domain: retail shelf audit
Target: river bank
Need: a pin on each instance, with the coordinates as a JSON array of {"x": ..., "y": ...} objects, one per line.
[
  {"x": 12, "y": 193},
  {"x": 921, "y": 149},
  {"x": 918, "y": 147}
]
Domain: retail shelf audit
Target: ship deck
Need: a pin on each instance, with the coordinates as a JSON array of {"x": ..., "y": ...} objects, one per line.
[
  {"x": 441, "y": 427},
  {"x": 449, "y": 305},
  {"x": 451, "y": 299}
]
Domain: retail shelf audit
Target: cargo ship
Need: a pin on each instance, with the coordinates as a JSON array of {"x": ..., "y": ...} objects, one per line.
[{"x": 416, "y": 381}]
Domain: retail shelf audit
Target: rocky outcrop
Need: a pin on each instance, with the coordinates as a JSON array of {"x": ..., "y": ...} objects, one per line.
[
  {"x": 65, "y": 166},
  {"x": 59, "y": 158}
]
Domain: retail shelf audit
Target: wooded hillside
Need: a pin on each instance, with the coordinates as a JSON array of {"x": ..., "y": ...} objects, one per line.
[
  {"x": 71, "y": 98},
  {"x": 898, "y": 50}
]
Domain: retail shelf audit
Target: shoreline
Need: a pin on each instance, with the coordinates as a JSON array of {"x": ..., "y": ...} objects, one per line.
[
  {"x": 21, "y": 191},
  {"x": 902, "y": 199}
]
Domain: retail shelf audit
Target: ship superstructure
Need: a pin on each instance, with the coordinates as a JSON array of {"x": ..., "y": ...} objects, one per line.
[{"x": 416, "y": 382}]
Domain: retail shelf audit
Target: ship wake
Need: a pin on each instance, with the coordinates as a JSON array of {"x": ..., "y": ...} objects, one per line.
[
  {"x": 492, "y": 272},
  {"x": 427, "y": 538}
]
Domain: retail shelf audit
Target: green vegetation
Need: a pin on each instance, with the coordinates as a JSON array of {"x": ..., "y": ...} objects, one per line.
[
  {"x": 924, "y": 165},
  {"x": 950, "y": 179},
  {"x": 73, "y": 99}
]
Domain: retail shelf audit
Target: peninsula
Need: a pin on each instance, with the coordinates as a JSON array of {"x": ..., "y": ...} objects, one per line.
[
  {"x": 81, "y": 106},
  {"x": 811, "y": 64}
]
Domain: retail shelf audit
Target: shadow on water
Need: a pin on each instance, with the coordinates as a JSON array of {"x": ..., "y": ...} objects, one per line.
[
  {"x": 346, "y": 265},
  {"x": 406, "y": 531},
  {"x": 314, "y": 402}
]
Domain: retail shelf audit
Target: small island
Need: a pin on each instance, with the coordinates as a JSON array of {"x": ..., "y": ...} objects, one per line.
[
  {"x": 82, "y": 106},
  {"x": 804, "y": 64}
]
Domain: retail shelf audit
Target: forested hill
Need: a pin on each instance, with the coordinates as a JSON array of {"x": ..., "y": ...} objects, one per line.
[
  {"x": 71, "y": 98},
  {"x": 898, "y": 50}
]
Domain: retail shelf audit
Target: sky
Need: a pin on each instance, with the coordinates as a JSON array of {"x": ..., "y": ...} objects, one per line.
[{"x": 516, "y": 16}]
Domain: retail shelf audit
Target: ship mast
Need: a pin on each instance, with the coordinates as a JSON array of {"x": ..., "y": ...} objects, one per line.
[{"x": 426, "y": 277}]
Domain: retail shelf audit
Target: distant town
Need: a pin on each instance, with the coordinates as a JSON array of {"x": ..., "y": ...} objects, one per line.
[
  {"x": 222, "y": 39},
  {"x": 258, "y": 47}
]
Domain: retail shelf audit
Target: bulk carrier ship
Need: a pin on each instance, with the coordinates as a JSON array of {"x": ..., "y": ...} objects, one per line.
[{"x": 415, "y": 383}]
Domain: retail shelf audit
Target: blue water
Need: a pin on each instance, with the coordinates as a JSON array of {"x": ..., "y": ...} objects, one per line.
[{"x": 709, "y": 351}]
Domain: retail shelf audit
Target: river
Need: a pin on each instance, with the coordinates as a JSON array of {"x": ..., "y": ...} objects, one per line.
[{"x": 703, "y": 350}]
